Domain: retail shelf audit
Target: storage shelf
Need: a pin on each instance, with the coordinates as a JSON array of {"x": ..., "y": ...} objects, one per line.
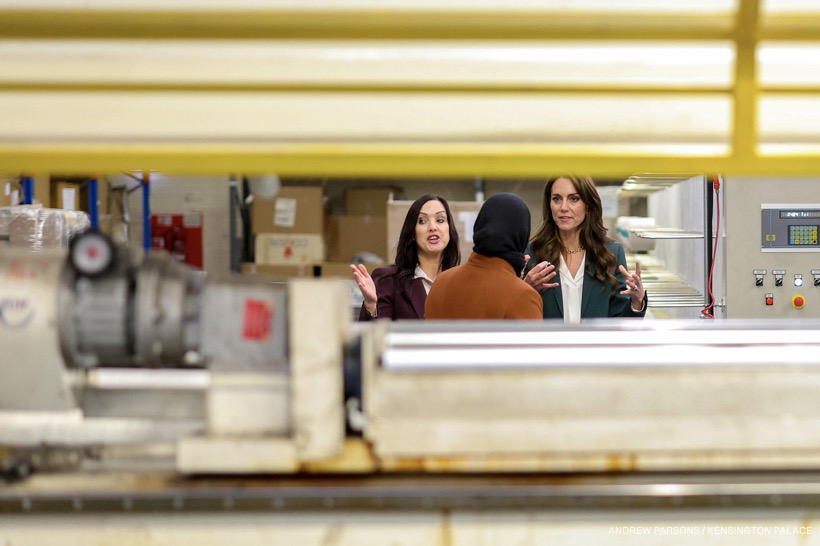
[
  {"x": 665, "y": 233},
  {"x": 666, "y": 290}
]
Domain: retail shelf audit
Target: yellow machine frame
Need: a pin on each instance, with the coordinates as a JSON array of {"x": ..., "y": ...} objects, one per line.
[{"x": 746, "y": 26}]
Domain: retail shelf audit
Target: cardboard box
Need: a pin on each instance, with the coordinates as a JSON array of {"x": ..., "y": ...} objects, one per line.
[
  {"x": 279, "y": 271},
  {"x": 370, "y": 201},
  {"x": 289, "y": 248},
  {"x": 9, "y": 189},
  {"x": 66, "y": 196},
  {"x": 342, "y": 269},
  {"x": 296, "y": 209},
  {"x": 42, "y": 190},
  {"x": 348, "y": 236},
  {"x": 38, "y": 228},
  {"x": 464, "y": 214}
]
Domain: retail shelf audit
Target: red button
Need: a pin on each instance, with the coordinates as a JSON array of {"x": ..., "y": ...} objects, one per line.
[
  {"x": 798, "y": 301},
  {"x": 769, "y": 301}
]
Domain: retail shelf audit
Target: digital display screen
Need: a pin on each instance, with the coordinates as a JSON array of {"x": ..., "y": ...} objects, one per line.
[{"x": 800, "y": 213}]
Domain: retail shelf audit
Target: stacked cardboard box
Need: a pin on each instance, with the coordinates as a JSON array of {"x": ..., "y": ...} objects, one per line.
[
  {"x": 66, "y": 195},
  {"x": 363, "y": 230},
  {"x": 11, "y": 190},
  {"x": 10, "y": 194},
  {"x": 288, "y": 230},
  {"x": 37, "y": 228},
  {"x": 286, "y": 271},
  {"x": 370, "y": 201}
]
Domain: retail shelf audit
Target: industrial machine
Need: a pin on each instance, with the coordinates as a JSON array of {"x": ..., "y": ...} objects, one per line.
[
  {"x": 134, "y": 388},
  {"x": 773, "y": 257},
  {"x": 749, "y": 244},
  {"x": 102, "y": 349},
  {"x": 109, "y": 356}
]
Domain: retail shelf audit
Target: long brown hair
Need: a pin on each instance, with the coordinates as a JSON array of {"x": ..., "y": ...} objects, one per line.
[{"x": 546, "y": 245}]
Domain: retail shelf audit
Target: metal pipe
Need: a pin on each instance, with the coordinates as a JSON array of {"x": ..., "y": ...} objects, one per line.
[
  {"x": 94, "y": 203},
  {"x": 707, "y": 238},
  {"x": 143, "y": 378},
  {"x": 28, "y": 190},
  {"x": 479, "y": 189},
  {"x": 146, "y": 212}
]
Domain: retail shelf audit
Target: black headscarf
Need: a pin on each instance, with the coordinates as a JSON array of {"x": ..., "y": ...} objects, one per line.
[{"x": 502, "y": 229}]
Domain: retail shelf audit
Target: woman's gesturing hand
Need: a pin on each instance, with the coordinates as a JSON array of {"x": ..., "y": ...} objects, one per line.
[
  {"x": 539, "y": 277},
  {"x": 367, "y": 287},
  {"x": 634, "y": 286}
]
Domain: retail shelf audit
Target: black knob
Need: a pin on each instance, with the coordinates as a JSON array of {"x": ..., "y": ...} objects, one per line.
[
  {"x": 817, "y": 281},
  {"x": 759, "y": 281},
  {"x": 778, "y": 282}
]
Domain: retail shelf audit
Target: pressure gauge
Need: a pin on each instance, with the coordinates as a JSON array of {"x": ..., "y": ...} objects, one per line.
[{"x": 92, "y": 254}]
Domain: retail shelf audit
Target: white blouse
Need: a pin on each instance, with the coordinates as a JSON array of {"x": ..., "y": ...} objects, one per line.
[
  {"x": 571, "y": 290},
  {"x": 425, "y": 280}
]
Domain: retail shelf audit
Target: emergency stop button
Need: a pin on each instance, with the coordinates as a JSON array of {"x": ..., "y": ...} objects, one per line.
[{"x": 798, "y": 301}]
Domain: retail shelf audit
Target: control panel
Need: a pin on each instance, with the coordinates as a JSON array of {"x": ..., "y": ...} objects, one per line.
[
  {"x": 778, "y": 278},
  {"x": 789, "y": 228},
  {"x": 771, "y": 238}
]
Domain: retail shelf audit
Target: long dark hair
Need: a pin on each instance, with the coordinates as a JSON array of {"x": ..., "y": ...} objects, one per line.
[
  {"x": 407, "y": 254},
  {"x": 546, "y": 244}
]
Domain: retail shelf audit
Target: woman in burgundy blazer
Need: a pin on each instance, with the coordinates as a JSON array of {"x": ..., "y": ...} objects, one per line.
[{"x": 428, "y": 245}]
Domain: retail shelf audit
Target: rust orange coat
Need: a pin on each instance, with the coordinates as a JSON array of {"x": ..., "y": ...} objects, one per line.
[{"x": 482, "y": 288}]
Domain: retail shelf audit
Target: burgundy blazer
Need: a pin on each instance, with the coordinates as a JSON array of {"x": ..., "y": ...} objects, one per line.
[{"x": 392, "y": 303}]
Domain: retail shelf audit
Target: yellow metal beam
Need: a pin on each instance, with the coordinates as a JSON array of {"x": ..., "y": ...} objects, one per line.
[
  {"x": 790, "y": 26},
  {"x": 745, "y": 28},
  {"x": 363, "y": 23},
  {"x": 445, "y": 22},
  {"x": 397, "y": 160},
  {"x": 745, "y": 129},
  {"x": 442, "y": 87}
]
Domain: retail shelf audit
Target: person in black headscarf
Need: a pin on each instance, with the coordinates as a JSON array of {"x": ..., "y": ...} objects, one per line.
[{"x": 488, "y": 285}]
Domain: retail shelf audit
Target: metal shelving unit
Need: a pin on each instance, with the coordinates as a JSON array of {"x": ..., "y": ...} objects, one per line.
[
  {"x": 667, "y": 290},
  {"x": 665, "y": 233}
]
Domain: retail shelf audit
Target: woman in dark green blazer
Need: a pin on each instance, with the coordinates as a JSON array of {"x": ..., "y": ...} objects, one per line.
[{"x": 579, "y": 271}]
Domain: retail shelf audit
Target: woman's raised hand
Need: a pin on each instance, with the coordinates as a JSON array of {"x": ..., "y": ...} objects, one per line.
[
  {"x": 634, "y": 286},
  {"x": 366, "y": 285}
]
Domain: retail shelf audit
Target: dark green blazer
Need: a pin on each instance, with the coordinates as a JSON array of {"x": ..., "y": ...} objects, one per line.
[{"x": 596, "y": 301}]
